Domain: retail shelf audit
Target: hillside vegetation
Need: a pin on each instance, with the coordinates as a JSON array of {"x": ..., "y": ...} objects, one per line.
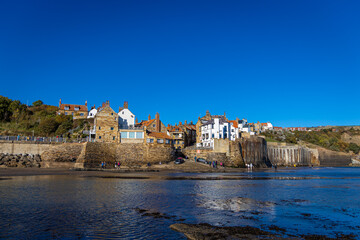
[
  {"x": 325, "y": 138},
  {"x": 38, "y": 119}
]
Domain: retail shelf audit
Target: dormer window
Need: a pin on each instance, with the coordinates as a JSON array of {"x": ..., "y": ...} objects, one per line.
[
  {"x": 66, "y": 108},
  {"x": 77, "y": 108}
]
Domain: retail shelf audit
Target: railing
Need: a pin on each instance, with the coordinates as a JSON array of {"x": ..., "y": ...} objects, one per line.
[{"x": 44, "y": 139}]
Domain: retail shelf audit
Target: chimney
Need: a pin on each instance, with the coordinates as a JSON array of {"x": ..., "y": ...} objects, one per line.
[
  {"x": 85, "y": 103},
  {"x": 149, "y": 118},
  {"x": 180, "y": 123},
  {"x": 158, "y": 126},
  {"x": 237, "y": 119},
  {"x": 191, "y": 122},
  {"x": 60, "y": 102},
  {"x": 126, "y": 105},
  {"x": 168, "y": 125},
  {"x": 136, "y": 121},
  {"x": 185, "y": 122}
]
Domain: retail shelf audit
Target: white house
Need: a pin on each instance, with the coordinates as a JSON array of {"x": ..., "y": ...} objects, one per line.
[
  {"x": 92, "y": 113},
  {"x": 217, "y": 128},
  {"x": 126, "y": 117},
  {"x": 266, "y": 126}
]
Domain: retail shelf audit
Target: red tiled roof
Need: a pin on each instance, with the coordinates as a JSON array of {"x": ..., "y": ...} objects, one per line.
[
  {"x": 235, "y": 123},
  {"x": 159, "y": 135},
  {"x": 264, "y": 124},
  {"x": 173, "y": 129},
  {"x": 146, "y": 123},
  {"x": 73, "y": 106}
]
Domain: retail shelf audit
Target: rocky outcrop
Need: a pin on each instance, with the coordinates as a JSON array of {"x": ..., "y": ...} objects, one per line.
[
  {"x": 20, "y": 160},
  {"x": 329, "y": 158}
]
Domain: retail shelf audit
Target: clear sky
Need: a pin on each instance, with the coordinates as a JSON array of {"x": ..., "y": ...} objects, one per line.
[{"x": 294, "y": 63}]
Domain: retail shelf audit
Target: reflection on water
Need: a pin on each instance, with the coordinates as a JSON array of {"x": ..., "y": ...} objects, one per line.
[{"x": 302, "y": 201}]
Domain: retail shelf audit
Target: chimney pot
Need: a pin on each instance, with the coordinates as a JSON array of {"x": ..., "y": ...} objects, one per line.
[
  {"x": 185, "y": 122},
  {"x": 126, "y": 105},
  {"x": 149, "y": 118}
]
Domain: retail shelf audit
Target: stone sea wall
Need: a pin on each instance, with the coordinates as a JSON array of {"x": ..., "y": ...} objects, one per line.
[
  {"x": 296, "y": 155},
  {"x": 234, "y": 153},
  {"x": 23, "y": 147},
  {"x": 91, "y": 154},
  {"x": 292, "y": 155}
]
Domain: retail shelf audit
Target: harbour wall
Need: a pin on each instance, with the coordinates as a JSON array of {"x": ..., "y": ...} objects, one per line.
[
  {"x": 23, "y": 147},
  {"x": 283, "y": 154},
  {"x": 91, "y": 155},
  {"x": 236, "y": 153}
]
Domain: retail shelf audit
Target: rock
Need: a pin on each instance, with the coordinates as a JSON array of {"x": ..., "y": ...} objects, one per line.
[
  {"x": 208, "y": 232},
  {"x": 37, "y": 158}
]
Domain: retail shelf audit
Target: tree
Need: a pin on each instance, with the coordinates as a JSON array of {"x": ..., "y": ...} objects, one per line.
[
  {"x": 4, "y": 108},
  {"x": 37, "y": 103},
  {"x": 48, "y": 126}
]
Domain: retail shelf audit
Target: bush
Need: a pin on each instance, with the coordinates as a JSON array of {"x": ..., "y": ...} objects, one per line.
[{"x": 37, "y": 103}]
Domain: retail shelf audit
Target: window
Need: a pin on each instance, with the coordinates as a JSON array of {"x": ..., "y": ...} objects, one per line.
[
  {"x": 112, "y": 114},
  {"x": 113, "y": 138},
  {"x": 225, "y": 135},
  {"x": 112, "y": 128},
  {"x": 122, "y": 112},
  {"x": 150, "y": 140},
  {"x": 212, "y": 135},
  {"x": 99, "y": 137},
  {"x": 99, "y": 128},
  {"x": 81, "y": 114},
  {"x": 124, "y": 134},
  {"x": 139, "y": 135},
  {"x": 154, "y": 125},
  {"x": 72, "y": 114},
  {"x": 66, "y": 113},
  {"x": 131, "y": 135},
  {"x": 167, "y": 141},
  {"x": 132, "y": 116},
  {"x": 160, "y": 141},
  {"x": 66, "y": 108},
  {"x": 77, "y": 108}
]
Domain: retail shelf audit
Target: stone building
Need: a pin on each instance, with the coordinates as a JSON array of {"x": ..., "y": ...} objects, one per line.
[
  {"x": 183, "y": 135},
  {"x": 77, "y": 111},
  {"x": 106, "y": 124},
  {"x": 158, "y": 138},
  {"x": 177, "y": 134},
  {"x": 153, "y": 125}
]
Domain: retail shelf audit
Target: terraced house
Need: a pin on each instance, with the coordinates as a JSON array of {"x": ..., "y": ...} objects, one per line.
[
  {"x": 106, "y": 124},
  {"x": 183, "y": 135},
  {"x": 75, "y": 110}
]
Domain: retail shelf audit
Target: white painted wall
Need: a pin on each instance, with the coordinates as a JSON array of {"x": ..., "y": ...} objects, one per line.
[
  {"x": 126, "y": 118},
  {"x": 92, "y": 113}
]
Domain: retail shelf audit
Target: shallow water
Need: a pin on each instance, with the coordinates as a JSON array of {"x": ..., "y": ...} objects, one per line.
[{"x": 302, "y": 201}]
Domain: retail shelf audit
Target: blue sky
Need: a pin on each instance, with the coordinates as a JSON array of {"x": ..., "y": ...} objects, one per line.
[{"x": 294, "y": 63}]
